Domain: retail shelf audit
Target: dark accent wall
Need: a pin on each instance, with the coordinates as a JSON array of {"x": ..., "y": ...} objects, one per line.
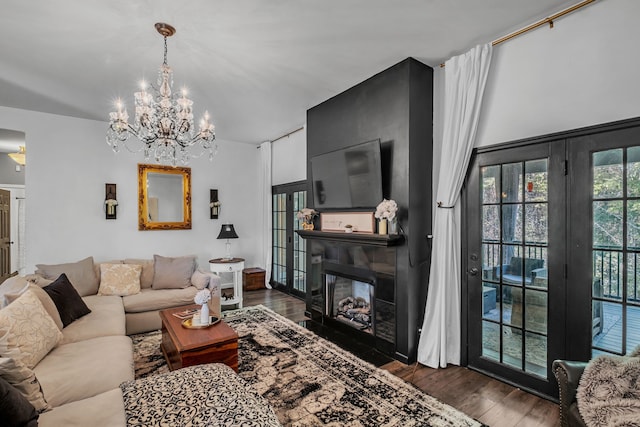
[{"x": 395, "y": 106}]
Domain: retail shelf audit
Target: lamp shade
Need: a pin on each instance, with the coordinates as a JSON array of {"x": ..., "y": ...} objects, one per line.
[{"x": 227, "y": 232}]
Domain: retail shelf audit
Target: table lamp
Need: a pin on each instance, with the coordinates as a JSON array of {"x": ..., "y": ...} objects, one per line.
[{"x": 227, "y": 232}]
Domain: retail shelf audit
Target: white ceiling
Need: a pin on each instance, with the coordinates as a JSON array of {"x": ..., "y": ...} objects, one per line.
[{"x": 255, "y": 65}]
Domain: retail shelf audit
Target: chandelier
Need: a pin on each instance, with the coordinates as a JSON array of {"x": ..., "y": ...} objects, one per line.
[
  {"x": 164, "y": 120},
  {"x": 19, "y": 157}
]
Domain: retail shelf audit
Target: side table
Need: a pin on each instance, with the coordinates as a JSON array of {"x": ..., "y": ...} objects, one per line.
[{"x": 223, "y": 267}]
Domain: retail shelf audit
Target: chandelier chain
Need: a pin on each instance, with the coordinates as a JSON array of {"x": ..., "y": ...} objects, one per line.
[{"x": 165, "y": 50}]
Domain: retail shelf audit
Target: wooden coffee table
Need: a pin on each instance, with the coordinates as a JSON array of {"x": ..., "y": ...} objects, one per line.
[{"x": 184, "y": 347}]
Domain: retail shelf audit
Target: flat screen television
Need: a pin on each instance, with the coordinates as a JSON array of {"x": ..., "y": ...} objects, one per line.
[{"x": 348, "y": 178}]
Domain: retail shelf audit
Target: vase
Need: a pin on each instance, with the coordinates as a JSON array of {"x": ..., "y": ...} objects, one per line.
[
  {"x": 382, "y": 226},
  {"x": 393, "y": 226},
  {"x": 307, "y": 226},
  {"x": 204, "y": 314}
]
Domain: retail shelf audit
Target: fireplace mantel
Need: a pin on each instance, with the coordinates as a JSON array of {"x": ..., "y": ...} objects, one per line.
[{"x": 355, "y": 238}]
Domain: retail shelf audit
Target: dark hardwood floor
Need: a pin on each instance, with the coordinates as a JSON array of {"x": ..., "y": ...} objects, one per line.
[{"x": 490, "y": 401}]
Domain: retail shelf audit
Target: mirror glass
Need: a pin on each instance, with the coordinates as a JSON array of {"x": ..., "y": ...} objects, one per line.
[{"x": 164, "y": 197}]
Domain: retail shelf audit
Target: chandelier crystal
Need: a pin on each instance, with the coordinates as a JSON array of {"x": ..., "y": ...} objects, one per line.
[{"x": 164, "y": 120}]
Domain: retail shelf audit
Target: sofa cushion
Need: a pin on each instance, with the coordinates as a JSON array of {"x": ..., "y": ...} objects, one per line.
[
  {"x": 67, "y": 300},
  {"x": 15, "y": 409},
  {"x": 106, "y": 319},
  {"x": 25, "y": 381},
  {"x": 200, "y": 279},
  {"x": 81, "y": 274},
  {"x": 104, "y": 409},
  {"x": 151, "y": 299},
  {"x": 44, "y": 298},
  {"x": 119, "y": 279},
  {"x": 172, "y": 273},
  {"x": 146, "y": 277},
  {"x": 83, "y": 369},
  {"x": 27, "y": 332}
]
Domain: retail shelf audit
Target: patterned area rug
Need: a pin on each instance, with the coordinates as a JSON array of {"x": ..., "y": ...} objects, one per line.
[{"x": 310, "y": 381}]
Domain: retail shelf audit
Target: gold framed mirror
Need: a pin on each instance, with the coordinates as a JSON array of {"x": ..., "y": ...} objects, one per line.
[{"x": 164, "y": 197}]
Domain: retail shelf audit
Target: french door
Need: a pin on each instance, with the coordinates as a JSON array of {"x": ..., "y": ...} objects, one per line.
[
  {"x": 515, "y": 259},
  {"x": 552, "y": 258},
  {"x": 5, "y": 235},
  {"x": 604, "y": 260},
  {"x": 289, "y": 249}
]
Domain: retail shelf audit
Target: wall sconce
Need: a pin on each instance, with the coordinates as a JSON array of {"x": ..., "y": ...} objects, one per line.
[
  {"x": 214, "y": 204},
  {"x": 110, "y": 201}
]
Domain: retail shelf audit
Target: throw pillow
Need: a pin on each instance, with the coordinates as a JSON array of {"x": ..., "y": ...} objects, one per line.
[
  {"x": 173, "y": 273},
  {"x": 119, "y": 279},
  {"x": 81, "y": 274},
  {"x": 44, "y": 298},
  {"x": 27, "y": 332},
  {"x": 146, "y": 277},
  {"x": 25, "y": 381},
  {"x": 15, "y": 409},
  {"x": 13, "y": 285},
  {"x": 38, "y": 280},
  {"x": 69, "y": 303},
  {"x": 200, "y": 279}
]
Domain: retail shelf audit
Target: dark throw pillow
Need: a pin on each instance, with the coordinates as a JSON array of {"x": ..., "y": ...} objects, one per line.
[
  {"x": 15, "y": 409},
  {"x": 67, "y": 300}
]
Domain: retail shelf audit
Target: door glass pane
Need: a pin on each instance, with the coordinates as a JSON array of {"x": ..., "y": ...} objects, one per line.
[
  {"x": 279, "y": 205},
  {"x": 535, "y": 227},
  {"x": 490, "y": 306},
  {"x": 607, "y": 224},
  {"x": 633, "y": 278},
  {"x": 512, "y": 346},
  {"x": 491, "y": 223},
  {"x": 491, "y": 184},
  {"x": 633, "y": 225},
  {"x": 536, "y": 180},
  {"x": 536, "y": 319},
  {"x": 607, "y": 174},
  {"x": 491, "y": 340},
  {"x": 299, "y": 244},
  {"x": 536, "y": 354},
  {"x": 633, "y": 172},
  {"x": 633, "y": 328},
  {"x": 512, "y": 223},
  {"x": 512, "y": 183}
]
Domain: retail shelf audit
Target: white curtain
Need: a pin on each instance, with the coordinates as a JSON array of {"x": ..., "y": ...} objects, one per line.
[
  {"x": 267, "y": 226},
  {"x": 465, "y": 79}
]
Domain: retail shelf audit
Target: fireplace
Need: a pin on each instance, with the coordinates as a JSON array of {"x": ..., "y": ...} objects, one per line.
[
  {"x": 352, "y": 286},
  {"x": 350, "y": 301}
]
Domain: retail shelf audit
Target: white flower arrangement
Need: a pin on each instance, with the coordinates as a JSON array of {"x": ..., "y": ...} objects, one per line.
[
  {"x": 386, "y": 209},
  {"x": 202, "y": 297},
  {"x": 306, "y": 214},
  {"x": 215, "y": 204},
  {"x": 111, "y": 202}
]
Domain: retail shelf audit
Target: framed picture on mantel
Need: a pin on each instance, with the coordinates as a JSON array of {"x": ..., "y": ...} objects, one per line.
[{"x": 361, "y": 222}]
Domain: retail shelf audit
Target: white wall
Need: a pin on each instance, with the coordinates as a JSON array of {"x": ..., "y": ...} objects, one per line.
[
  {"x": 68, "y": 164},
  {"x": 289, "y": 158},
  {"x": 582, "y": 72}
]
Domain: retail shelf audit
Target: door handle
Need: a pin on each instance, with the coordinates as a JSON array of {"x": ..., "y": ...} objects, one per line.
[{"x": 473, "y": 271}]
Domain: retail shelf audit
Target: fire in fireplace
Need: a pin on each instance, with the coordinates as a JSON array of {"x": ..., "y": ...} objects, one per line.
[{"x": 350, "y": 301}]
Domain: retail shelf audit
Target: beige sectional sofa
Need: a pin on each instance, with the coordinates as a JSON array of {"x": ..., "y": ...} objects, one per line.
[{"x": 80, "y": 376}]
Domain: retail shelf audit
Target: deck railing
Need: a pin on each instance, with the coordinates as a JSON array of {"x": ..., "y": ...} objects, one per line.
[{"x": 609, "y": 268}]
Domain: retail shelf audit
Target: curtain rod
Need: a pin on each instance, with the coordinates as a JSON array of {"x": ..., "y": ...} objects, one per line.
[
  {"x": 285, "y": 135},
  {"x": 540, "y": 23}
]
